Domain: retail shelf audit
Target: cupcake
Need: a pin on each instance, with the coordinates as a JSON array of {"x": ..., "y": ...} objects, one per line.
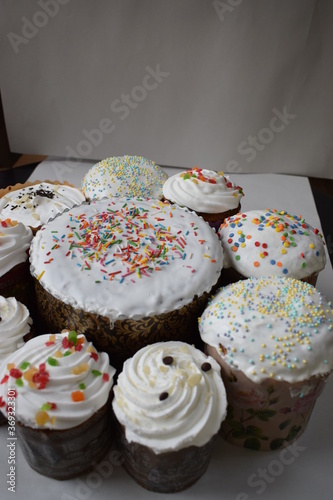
[
  {"x": 124, "y": 176},
  {"x": 34, "y": 203},
  {"x": 63, "y": 412},
  {"x": 169, "y": 403},
  {"x": 210, "y": 194},
  {"x": 273, "y": 338},
  {"x": 15, "y": 325},
  {"x": 15, "y": 279},
  {"x": 125, "y": 273},
  {"x": 270, "y": 243}
]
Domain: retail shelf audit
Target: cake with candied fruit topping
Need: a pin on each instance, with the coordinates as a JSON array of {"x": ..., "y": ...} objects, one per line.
[{"x": 62, "y": 402}]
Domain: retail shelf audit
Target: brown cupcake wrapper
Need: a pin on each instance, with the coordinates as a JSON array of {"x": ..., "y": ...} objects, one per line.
[
  {"x": 269, "y": 415},
  {"x": 65, "y": 454},
  {"x": 124, "y": 337},
  {"x": 167, "y": 472},
  {"x": 18, "y": 283}
]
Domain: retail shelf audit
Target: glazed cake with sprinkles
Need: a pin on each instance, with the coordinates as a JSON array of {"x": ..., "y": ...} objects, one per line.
[
  {"x": 124, "y": 259},
  {"x": 272, "y": 243},
  {"x": 169, "y": 401},
  {"x": 273, "y": 338},
  {"x": 62, "y": 395},
  {"x": 210, "y": 194},
  {"x": 34, "y": 203},
  {"x": 124, "y": 176}
]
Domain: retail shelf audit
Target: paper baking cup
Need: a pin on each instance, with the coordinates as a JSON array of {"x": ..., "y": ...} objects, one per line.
[
  {"x": 167, "y": 472},
  {"x": 269, "y": 415},
  {"x": 64, "y": 454},
  {"x": 124, "y": 337}
]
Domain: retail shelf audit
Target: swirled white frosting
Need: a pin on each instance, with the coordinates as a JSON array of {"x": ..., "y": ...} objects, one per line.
[
  {"x": 271, "y": 243},
  {"x": 58, "y": 384},
  {"x": 15, "y": 241},
  {"x": 15, "y": 323},
  {"x": 35, "y": 205},
  {"x": 126, "y": 258},
  {"x": 126, "y": 176},
  {"x": 202, "y": 190},
  {"x": 271, "y": 327},
  {"x": 169, "y": 404}
]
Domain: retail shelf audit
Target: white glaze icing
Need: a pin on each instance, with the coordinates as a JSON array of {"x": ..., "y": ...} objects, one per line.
[
  {"x": 15, "y": 241},
  {"x": 126, "y": 258},
  {"x": 15, "y": 323},
  {"x": 271, "y": 327},
  {"x": 55, "y": 390},
  {"x": 125, "y": 176},
  {"x": 267, "y": 242},
  {"x": 169, "y": 406},
  {"x": 35, "y": 205},
  {"x": 203, "y": 190}
]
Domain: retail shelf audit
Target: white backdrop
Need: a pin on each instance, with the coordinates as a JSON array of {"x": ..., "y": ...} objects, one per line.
[{"x": 239, "y": 85}]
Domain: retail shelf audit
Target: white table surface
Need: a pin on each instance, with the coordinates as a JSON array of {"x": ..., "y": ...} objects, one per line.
[{"x": 303, "y": 472}]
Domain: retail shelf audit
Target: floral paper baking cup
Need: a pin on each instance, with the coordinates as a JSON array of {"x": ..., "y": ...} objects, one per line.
[{"x": 273, "y": 338}]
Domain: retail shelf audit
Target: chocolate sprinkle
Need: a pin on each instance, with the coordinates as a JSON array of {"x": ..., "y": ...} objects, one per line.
[
  {"x": 167, "y": 360},
  {"x": 205, "y": 367},
  {"x": 44, "y": 193},
  {"x": 163, "y": 396}
]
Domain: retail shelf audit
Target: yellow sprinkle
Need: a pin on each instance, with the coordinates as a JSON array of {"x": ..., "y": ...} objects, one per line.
[
  {"x": 40, "y": 275},
  {"x": 10, "y": 366},
  {"x": 57, "y": 354}
]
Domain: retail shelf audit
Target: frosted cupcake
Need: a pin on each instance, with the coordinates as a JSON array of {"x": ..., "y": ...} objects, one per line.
[
  {"x": 34, "y": 203},
  {"x": 273, "y": 338},
  {"x": 270, "y": 243},
  {"x": 124, "y": 176},
  {"x": 62, "y": 390},
  {"x": 15, "y": 325},
  {"x": 169, "y": 401},
  {"x": 212, "y": 195},
  {"x": 125, "y": 273},
  {"x": 15, "y": 279}
]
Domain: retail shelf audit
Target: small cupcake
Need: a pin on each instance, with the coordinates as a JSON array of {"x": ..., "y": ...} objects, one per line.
[
  {"x": 124, "y": 176},
  {"x": 62, "y": 388},
  {"x": 270, "y": 243},
  {"x": 125, "y": 273},
  {"x": 15, "y": 278},
  {"x": 15, "y": 325},
  {"x": 273, "y": 338},
  {"x": 34, "y": 203},
  {"x": 210, "y": 194},
  {"x": 169, "y": 402}
]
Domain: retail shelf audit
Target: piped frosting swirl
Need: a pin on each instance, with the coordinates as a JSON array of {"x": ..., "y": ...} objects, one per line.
[
  {"x": 169, "y": 396},
  {"x": 202, "y": 190},
  {"x": 15, "y": 323},
  {"x": 15, "y": 241},
  {"x": 60, "y": 381}
]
